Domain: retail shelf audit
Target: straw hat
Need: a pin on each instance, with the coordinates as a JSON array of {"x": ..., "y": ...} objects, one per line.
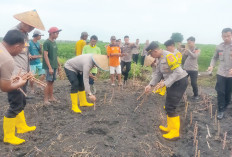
[
  {"x": 101, "y": 61},
  {"x": 148, "y": 60},
  {"x": 31, "y": 18}
]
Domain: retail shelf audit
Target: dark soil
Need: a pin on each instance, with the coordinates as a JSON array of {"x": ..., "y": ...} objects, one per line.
[{"x": 119, "y": 127}]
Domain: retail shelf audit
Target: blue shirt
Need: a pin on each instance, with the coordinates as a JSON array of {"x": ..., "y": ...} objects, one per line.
[{"x": 34, "y": 50}]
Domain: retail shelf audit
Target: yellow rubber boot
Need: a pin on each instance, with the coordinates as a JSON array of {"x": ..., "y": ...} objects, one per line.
[
  {"x": 162, "y": 91},
  {"x": 175, "y": 128},
  {"x": 74, "y": 99},
  {"x": 168, "y": 128},
  {"x": 9, "y": 132},
  {"x": 21, "y": 124},
  {"x": 82, "y": 98}
]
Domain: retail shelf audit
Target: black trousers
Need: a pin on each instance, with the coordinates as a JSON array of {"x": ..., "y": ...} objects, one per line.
[
  {"x": 135, "y": 58},
  {"x": 91, "y": 80},
  {"x": 125, "y": 73},
  {"x": 174, "y": 95},
  {"x": 17, "y": 101},
  {"x": 223, "y": 88},
  {"x": 76, "y": 80},
  {"x": 142, "y": 60},
  {"x": 193, "y": 77}
]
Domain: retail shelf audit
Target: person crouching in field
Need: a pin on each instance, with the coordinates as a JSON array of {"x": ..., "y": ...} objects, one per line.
[
  {"x": 92, "y": 48},
  {"x": 13, "y": 43},
  {"x": 114, "y": 52},
  {"x": 191, "y": 64},
  {"x": 50, "y": 63},
  {"x": 35, "y": 49},
  {"x": 77, "y": 70},
  {"x": 170, "y": 46},
  {"x": 223, "y": 53},
  {"x": 175, "y": 79}
]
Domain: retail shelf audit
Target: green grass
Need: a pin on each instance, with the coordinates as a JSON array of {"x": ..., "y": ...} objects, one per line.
[{"x": 207, "y": 51}]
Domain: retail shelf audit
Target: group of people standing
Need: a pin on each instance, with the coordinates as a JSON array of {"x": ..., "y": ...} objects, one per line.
[
  {"x": 171, "y": 69},
  {"x": 168, "y": 72}
]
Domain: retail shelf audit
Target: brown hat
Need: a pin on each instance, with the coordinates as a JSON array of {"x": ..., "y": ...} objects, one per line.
[
  {"x": 30, "y": 18},
  {"x": 148, "y": 60},
  {"x": 101, "y": 61}
]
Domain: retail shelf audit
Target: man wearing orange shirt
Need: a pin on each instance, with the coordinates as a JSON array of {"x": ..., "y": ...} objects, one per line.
[{"x": 114, "y": 52}]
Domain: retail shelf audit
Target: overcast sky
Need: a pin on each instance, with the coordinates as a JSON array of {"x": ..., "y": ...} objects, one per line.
[{"x": 143, "y": 19}]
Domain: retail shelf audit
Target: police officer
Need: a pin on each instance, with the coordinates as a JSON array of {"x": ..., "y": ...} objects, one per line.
[
  {"x": 78, "y": 70},
  {"x": 170, "y": 46},
  {"x": 191, "y": 64},
  {"x": 175, "y": 79},
  {"x": 224, "y": 73}
]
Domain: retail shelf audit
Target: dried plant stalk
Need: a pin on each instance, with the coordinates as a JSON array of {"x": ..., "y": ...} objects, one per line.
[
  {"x": 112, "y": 96},
  {"x": 20, "y": 89},
  {"x": 219, "y": 129},
  {"x": 140, "y": 95},
  {"x": 191, "y": 118},
  {"x": 195, "y": 132},
  {"x": 208, "y": 145},
  {"x": 186, "y": 109},
  {"x": 224, "y": 141},
  {"x": 196, "y": 150},
  {"x": 208, "y": 130},
  {"x": 105, "y": 98},
  {"x": 94, "y": 106},
  {"x": 215, "y": 120}
]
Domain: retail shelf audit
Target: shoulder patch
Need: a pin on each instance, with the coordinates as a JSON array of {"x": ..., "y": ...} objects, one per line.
[
  {"x": 171, "y": 58},
  {"x": 172, "y": 61}
]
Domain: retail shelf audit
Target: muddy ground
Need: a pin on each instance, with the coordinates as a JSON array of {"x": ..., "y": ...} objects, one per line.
[{"x": 120, "y": 126}]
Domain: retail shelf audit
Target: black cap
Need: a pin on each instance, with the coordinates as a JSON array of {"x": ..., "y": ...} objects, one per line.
[
  {"x": 191, "y": 39},
  {"x": 152, "y": 46}
]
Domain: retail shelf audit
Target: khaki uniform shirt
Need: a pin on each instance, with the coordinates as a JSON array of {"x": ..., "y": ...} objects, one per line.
[
  {"x": 169, "y": 69},
  {"x": 126, "y": 48},
  {"x": 6, "y": 64},
  {"x": 136, "y": 49},
  {"x": 191, "y": 62},
  {"x": 224, "y": 54},
  {"x": 83, "y": 64}
]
